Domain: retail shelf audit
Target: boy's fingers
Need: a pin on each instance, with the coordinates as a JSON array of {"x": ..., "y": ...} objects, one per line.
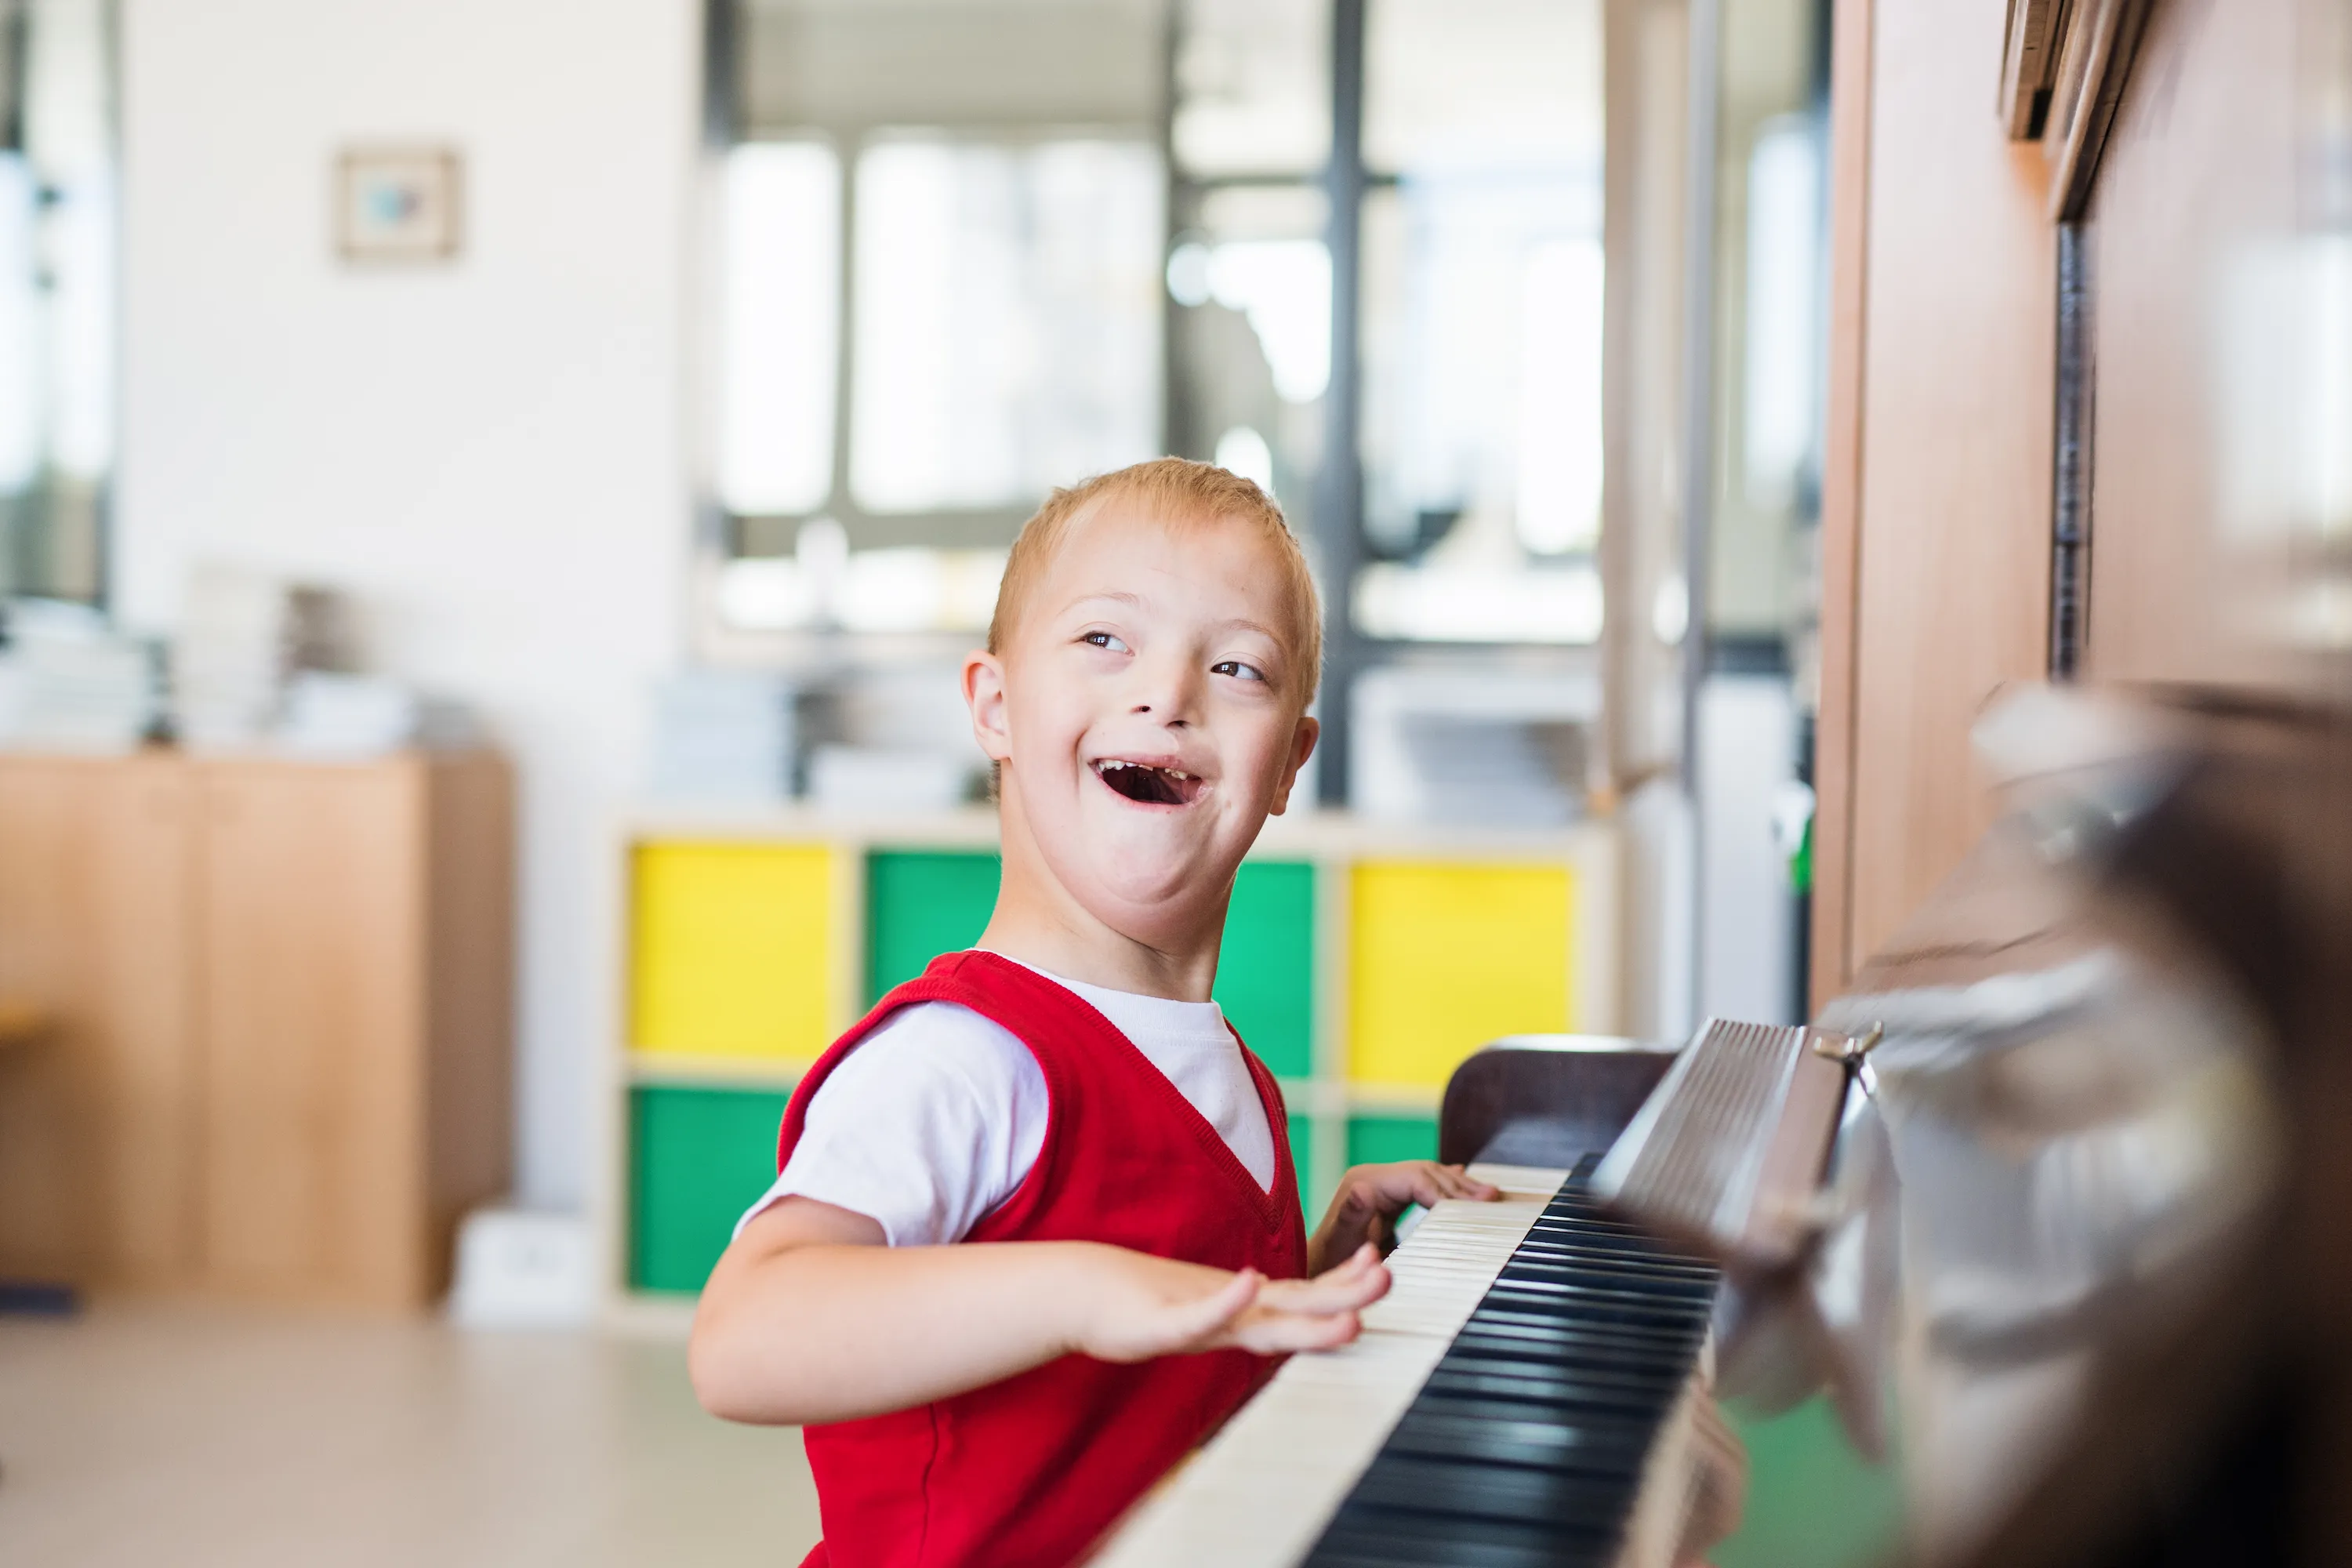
[
  {"x": 1274, "y": 1332},
  {"x": 1365, "y": 1258},
  {"x": 1342, "y": 1289},
  {"x": 1433, "y": 1184},
  {"x": 1197, "y": 1320},
  {"x": 1453, "y": 1182},
  {"x": 1471, "y": 1187}
]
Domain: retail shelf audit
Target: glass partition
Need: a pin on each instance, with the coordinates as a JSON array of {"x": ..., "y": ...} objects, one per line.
[
  {"x": 1481, "y": 322},
  {"x": 58, "y": 251}
]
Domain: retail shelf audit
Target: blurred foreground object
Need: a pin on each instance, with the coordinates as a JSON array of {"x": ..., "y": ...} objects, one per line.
[{"x": 2070, "y": 1225}]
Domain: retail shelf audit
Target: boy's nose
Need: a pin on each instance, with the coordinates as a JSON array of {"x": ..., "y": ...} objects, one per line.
[{"x": 1167, "y": 695}]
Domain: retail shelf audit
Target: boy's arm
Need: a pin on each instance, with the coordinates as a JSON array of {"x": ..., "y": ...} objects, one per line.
[{"x": 810, "y": 1318}]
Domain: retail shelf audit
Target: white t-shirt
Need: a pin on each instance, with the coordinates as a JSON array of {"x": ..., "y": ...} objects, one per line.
[{"x": 937, "y": 1116}]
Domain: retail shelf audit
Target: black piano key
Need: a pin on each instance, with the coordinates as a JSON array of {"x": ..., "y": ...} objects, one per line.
[
  {"x": 1484, "y": 1375},
  {"x": 1543, "y": 1318},
  {"x": 1593, "y": 1444},
  {"x": 1552, "y": 1398},
  {"x": 1568, "y": 1352},
  {"x": 1526, "y": 1444},
  {"x": 1399, "y": 1539},
  {"x": 1471, "y": 1490},
  {"x": 1566, "y": 1403}
]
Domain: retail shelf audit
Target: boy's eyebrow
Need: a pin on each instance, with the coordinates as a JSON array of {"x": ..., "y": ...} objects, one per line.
[{"x": 1260, "y": 627}]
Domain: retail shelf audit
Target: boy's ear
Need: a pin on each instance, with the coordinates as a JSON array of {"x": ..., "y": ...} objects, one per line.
[
  {"x": 984, "y": 693},
  {"x": 1302, "y": 746}
]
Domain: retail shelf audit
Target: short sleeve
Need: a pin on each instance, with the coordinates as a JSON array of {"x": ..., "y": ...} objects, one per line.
[{"x": 933, "y": 1121}]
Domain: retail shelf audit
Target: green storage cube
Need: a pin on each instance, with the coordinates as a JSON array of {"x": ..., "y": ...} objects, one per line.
[
  {"x": 699, "y": 1157},
  {"x": 1266, "y": 969},
  {"x": 918, "y": 905},
  {"x": 1377, "y": 1140}
]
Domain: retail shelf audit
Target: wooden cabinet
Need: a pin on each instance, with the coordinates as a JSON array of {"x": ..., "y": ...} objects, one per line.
[
  {"x": 281, "y": 1001},
  {"x": 98, "y": 1140}
]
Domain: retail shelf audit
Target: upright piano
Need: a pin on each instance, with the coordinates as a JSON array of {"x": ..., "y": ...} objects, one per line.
[{"x": 2060, "y": 1182}]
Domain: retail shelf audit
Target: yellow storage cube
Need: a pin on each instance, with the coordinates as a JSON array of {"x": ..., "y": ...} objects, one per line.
[
  {"x": 732, "y": 950},
  {"x": 1446, "y": 955}
]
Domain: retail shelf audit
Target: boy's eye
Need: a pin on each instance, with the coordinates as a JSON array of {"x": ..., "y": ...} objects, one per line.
[
  {"x": 1104, "y": 639},
  {"x": 1237, "y": 669}
]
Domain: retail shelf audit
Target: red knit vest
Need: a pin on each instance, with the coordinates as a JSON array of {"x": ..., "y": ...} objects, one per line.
[{"x": 1031, "y": 1470}]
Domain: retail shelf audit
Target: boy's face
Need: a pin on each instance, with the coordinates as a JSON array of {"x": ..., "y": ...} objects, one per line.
[{"x": 1148, "y": 713}]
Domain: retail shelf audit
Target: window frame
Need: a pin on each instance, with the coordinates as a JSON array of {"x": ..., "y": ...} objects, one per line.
[{"x": 977, "y": 528}]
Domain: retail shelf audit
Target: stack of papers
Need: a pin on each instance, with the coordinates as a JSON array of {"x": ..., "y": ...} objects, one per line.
[
  {"x": 346, "y": 718},
  {"x": 1472, "y": 741},
  {"x": 243, "y": 636},
  {"x": 890, "y": 778},
  {"x": 725, "y": 735},
  {"x": 70, "y": 684},
  {"x": 1515, "y": 773}
]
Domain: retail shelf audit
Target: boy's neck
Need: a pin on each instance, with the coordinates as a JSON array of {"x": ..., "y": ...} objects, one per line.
[{"x": 1039, "y": 923}]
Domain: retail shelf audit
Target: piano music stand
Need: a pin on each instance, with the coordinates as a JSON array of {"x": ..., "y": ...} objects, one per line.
[{"x": 1509, "y": 1103}]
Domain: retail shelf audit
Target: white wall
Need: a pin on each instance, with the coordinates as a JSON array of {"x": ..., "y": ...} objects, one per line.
[{"x": 488, "y": 454}]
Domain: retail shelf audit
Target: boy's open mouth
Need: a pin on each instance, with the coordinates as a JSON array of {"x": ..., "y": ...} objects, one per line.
[{"x": 1145, "y": 783}]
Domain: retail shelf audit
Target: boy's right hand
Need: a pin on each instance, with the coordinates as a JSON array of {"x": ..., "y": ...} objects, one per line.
[{"x": 1137, "y": 1307}]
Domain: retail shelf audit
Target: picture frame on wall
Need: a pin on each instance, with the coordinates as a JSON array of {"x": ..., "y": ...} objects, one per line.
[{"x": 398, "y": 204}]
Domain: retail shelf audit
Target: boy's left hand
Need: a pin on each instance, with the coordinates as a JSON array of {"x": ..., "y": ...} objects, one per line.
[{"x": 1371, "y": 1196}]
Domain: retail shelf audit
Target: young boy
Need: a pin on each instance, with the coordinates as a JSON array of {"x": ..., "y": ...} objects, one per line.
[{"x": 1064, "y": 1103}]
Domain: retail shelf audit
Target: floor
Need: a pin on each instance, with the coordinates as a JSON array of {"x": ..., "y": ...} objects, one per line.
[
  {"x": 192, "y": 1434},
  {"x": 199, "y": 1435}
]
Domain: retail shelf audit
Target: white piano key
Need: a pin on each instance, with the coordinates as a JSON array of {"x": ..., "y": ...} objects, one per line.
[{"x": 1261, "y": 1492}]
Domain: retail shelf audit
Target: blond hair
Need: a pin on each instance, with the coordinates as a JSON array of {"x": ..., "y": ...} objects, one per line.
[{"x": 1171, "y": 490}]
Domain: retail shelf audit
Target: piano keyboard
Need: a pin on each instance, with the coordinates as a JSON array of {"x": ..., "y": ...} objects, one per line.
[
  {"x": 1728, "y": 1151},
  {"x": 1502, "y": 1406}
]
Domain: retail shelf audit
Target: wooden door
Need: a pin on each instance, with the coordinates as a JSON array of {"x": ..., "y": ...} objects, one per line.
[
  {"x": 313, "y": 991},
  {"x": 98, "y": 1171}
]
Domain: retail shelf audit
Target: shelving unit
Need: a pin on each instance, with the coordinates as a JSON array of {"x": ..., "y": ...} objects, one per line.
[{"x": 1362, "y": 961}]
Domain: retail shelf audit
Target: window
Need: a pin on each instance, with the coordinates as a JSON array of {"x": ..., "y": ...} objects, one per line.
[
  {"x": 940, "y": 270},
  {"x": 1249, "y": 265},
  {"x": 1481, "y": 320},
  {"x": 782, "y": 316},
  {"x": 57, "y": 209},
  {"x": 1007, "y": 319},
  {"x": 1253, "y": 89},
  {"x": 1479, "y": 286},
  {"x": 1251, "y": 276}
]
